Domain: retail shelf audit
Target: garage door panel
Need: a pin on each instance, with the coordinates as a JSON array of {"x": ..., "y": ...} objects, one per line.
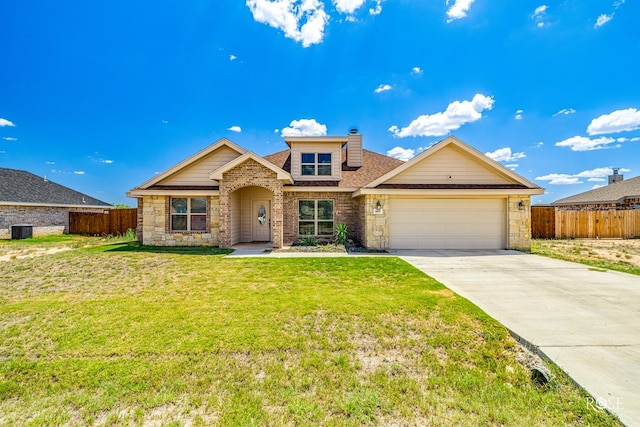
[{"x": 447, "y": 223}]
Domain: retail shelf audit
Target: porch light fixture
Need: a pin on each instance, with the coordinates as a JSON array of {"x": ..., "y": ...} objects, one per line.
[
  {"x": 521, "y": 205},
  {"x": 378, "y": 205}
]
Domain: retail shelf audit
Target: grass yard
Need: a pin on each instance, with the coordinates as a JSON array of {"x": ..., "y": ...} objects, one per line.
[
  {"x": 611, "y": 254},
  {"x": 123, "y": 335}
]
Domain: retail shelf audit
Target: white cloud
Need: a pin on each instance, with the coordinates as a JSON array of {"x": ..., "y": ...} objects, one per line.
[
  {"x": 582, "y": 143},
  {"x": 601, "y": 172},
  {"x": 559, "y": 179},
  {"x": 401, "y": 153},
  {"x": 540, "y": 10},
  {"x": 505, "y": 155},
  {"x": 79, "y": 172},
  {"x": 301, "y": 20},
  {"x": 565, "y": 112},
  {"x": 383, "y": 88},
  {"x": 50, "y": 163},
  {"x": 305, "y": 127},
  {"x": 512, "y": 166},
  {"x": 9, "y": 138},
  {"x": 518, "y": 115},
  {"x": 416, "y": 70},
  {"x": 602, "y": 19},
  {"x": 236, "y": 129},
  {"x": 597, "y": 186},
  {"x": 164, "y": 122},
  {"x": 592, "y": 175},
  {"x": 618, "y": 121},
  {"x": 348, "y": 6},
  {"x": 232, "y": 57},
  {"x": 107, "y": 161},
  {"x": 5, "y": 122},
  {"x": 457, "y": 114},
  {"x": 634, "y": 139},
  {"x": 539, "y": 15},
  {"x": 539, "y": 144},
  {"x": 376, "y": 10},
  {"x": 459, "y": 9}
]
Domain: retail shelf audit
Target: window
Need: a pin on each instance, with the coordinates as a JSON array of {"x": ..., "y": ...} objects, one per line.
[
  {"x": 316, "y": 164},
  {"x": 315, "y": 217},
  {"x": 188, "y": 214}
]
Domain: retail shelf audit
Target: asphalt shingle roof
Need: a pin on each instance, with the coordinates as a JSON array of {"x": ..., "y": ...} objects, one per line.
[
  {"x": 612, "y": 193},
  {"x": 374, "y": 165},
  {"x": 18, "y": 186}
]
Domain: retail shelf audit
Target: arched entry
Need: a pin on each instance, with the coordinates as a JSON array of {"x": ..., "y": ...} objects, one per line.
[{"x": 250, "y": 215}]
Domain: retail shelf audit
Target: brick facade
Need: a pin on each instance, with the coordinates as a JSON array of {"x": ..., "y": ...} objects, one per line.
[
  {"x": 345, "y": 211},
  {"x": 250, "y": 174},
  {"x": 626, "y": 204},
  {"x": 45, "y": 220}
]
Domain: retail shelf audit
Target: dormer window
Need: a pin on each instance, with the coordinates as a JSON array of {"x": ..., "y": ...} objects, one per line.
[{"x": 316, "y": 164}]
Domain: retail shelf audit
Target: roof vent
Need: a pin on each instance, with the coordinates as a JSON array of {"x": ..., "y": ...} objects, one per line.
[{"x": 353, "y": 131}]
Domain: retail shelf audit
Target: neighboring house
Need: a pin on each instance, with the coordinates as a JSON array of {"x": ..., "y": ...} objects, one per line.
[
  {"x": 620, "y": 194},
  {"x": 26, "y": 198},
  {"x": 450, "y": 196}
]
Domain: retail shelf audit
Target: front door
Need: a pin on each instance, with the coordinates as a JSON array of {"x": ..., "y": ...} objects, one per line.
[{"x": 261, "y": 220}]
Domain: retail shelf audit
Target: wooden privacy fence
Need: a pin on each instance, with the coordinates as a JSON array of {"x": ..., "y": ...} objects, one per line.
[
  {"x": 597, "y": 224},
  {"x": 547, "y": 223},
  {"x": 112, "y": 221},
  {"x": 543, "y": 222}
]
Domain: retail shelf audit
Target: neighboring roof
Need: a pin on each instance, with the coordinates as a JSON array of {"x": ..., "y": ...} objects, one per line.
[
  {"x": 374, "y": 165},
  {"x": 24, "y": 188},
  {"x": 612, "y": 193},
  {"x": 200, "y": 154},
  {"x": 517, "y": 179}
]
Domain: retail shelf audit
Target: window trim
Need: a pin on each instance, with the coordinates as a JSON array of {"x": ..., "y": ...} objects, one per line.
[
  {"x": 315, "y": 221},
  {"x": 316, "y": 164},
  {"x": 188, "y": 214}
]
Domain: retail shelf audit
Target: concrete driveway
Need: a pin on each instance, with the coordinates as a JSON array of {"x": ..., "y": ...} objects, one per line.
[{"x": 586, "y": 321}]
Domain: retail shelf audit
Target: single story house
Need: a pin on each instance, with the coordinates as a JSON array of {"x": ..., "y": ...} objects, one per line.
[
  {"x": 26, "y": 198},
  {"x": 620, "y": 194},
  {"x": 450, "y": 196}
]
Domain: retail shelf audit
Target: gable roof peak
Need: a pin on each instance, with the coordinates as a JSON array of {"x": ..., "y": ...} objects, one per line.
[{"x": 192, "y": 159}]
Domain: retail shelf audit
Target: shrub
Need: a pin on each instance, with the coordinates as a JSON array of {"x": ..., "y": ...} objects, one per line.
[
  {"x": 308, "y": 240},
  {"x": 341, "y": 234}
]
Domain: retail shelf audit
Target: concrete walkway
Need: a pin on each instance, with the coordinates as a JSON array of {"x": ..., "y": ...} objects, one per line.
[{"x": 587, "y": 321}]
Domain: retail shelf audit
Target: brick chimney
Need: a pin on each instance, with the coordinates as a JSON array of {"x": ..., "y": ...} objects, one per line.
[
  {"x": 354, "y": 149},
  {"x": 616, "y": 177}
]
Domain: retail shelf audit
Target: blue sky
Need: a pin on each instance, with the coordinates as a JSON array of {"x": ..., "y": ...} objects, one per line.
[{"x": 100, "y": 96}]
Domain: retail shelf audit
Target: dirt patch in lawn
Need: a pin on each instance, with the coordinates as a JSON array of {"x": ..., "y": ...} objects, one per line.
[
  {"x": 31, "y": 253},
  {"x": 611, "y": 250}
]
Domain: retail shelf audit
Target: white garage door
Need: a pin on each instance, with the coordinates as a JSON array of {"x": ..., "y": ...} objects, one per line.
[{"x": 447, "y": 223}]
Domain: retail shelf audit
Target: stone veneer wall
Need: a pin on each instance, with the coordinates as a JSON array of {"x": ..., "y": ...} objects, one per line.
[
  {"x": 519, "y": 222},
  {"x": 345, "y": 211},
  {"x": 376, "y": 232},
  {"x": 250, "y": 174},
  {"x": 45, "y": 220},
  {"x": 155, "y": 228}
]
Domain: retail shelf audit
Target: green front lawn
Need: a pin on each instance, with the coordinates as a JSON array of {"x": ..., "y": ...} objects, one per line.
[{"x": 117, "y": 334}]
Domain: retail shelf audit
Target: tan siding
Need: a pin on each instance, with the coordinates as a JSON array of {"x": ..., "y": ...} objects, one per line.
[
  {"x": 449, "y": 162},
  {"x": 336, "y": 159},
  {"x": 198, "y": 172}
]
